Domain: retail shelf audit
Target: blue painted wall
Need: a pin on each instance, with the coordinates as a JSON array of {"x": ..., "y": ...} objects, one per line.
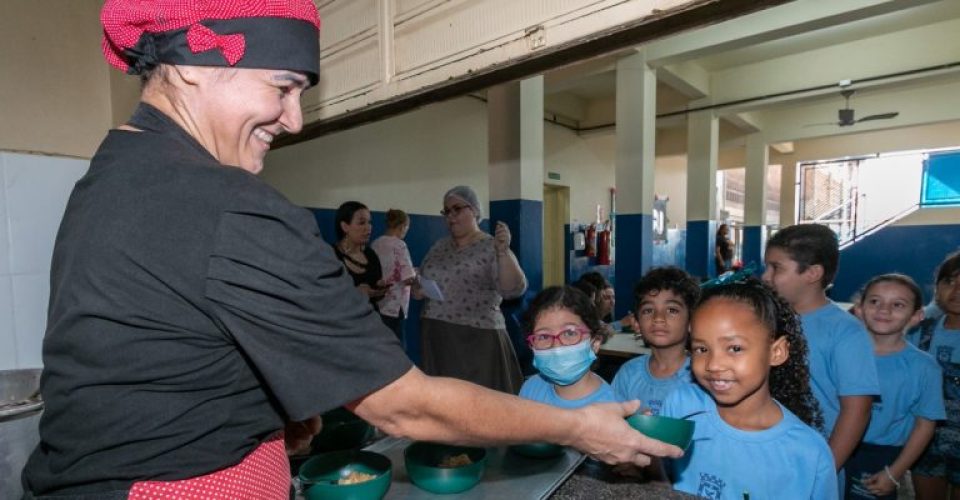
[
  {"x": 753, "y": 240},
  {"x": 672, "y": 252},
  {"x": 912, "y": 250},
  {"x": 634, "y": 257},
  {"x": 701, "y": 237}
]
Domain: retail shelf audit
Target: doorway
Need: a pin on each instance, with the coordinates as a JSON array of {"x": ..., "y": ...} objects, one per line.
[{"x": 556, "y": 215}]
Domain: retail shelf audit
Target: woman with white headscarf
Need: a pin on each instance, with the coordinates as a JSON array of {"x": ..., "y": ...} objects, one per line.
[{"x": 464, "y": 336}]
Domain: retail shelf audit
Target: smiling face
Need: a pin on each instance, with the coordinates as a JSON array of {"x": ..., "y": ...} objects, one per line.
[
  {"x": 357, "y": 232},
  {"x": 663, "y": 319},
  {"x": 887, "y": 308},
  {"x": 732, "y": 352},
  {"x": 237, "y": 112}
]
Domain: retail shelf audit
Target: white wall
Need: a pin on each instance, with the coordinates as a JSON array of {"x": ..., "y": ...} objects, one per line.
[
  {"x": 405, "y": 162},
  {"x": 34, "y": 194}
]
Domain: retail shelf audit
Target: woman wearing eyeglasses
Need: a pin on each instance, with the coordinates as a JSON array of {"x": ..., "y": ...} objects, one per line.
[
  {"x": 565, "y": 335},
  {"x": 464, "y": 335}
]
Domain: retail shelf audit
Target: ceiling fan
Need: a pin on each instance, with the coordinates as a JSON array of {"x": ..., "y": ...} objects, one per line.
[{"x": 846, "y": 115}]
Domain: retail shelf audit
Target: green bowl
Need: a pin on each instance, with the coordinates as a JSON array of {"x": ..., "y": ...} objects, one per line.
[
  {"x": 669, "y": 430},
  {"x": 319, "y": 476},
  {"x": 538, "y": 450},
  {"x": 423, "y": 459},
  {"x": 342, "y": 430}
]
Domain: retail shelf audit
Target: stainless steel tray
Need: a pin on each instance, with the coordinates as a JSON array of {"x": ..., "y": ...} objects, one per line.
[{"x": 507, "y": 475}]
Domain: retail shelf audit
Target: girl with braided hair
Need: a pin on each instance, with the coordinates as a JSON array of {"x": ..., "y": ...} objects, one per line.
[{"x": 754, "y": 411}]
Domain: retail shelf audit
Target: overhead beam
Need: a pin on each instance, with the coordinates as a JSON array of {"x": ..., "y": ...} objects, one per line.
[
  {"x": 688, "y": 78},
  {"x": 796, "y": 17},
  {"x": 881, "y": 60}
]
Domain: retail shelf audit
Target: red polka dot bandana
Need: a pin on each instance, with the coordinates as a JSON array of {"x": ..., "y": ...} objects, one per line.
[
  {"x": 262, "y": 34},
  {"x": 264, "y": 474}
]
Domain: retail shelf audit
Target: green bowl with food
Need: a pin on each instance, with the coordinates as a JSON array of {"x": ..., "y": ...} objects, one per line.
[
  {"x": 675, "y": 431},
  {"x": 441, "y": 468},
  {"x": 346, "y": 475},
  {"x": 538, "y": 450}
]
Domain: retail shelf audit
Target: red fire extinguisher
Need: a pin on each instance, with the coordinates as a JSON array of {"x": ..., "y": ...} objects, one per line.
[
  {"x": 591, "y": 240},
  {"x": 603, "y": 247}
]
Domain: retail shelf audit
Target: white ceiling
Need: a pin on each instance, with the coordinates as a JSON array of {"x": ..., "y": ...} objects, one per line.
[{"x": 872, "y": 41}]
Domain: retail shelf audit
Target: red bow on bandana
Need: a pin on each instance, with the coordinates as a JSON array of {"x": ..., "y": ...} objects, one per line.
[{"x": 201, "y": 38}]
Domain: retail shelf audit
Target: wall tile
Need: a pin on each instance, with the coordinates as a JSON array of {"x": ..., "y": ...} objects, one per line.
[
  {"x": 30, "y": 296},
  {"x": 4, "y": 231},
  {"x": 8, "y": 341},
  {"x": 37, "y": 188}
]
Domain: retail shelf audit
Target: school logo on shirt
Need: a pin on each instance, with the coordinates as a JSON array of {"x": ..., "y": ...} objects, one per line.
[
  {"x": 655, "y": 405},
  {"x": 710, "y": 486},
  {"x": 944, "y": 353}
]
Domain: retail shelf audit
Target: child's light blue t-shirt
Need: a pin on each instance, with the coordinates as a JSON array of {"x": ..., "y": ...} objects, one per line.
[
  {"x": 788, "y": 461},
  {"x": 538, "y": 389},
  {"x": 840, "y": 358},
  {"x": 634, "y": 381},
  {"x": 910, "y": 386}
]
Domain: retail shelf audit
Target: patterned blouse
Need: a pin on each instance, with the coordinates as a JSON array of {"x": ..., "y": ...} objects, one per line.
[
  {"x": 397, "y": 267},
  {"x": 468, "y": 279}
]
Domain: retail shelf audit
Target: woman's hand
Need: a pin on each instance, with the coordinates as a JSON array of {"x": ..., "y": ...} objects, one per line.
[
  {"x": 501, "y": 237},
  {"x": 298, "y": 435}
]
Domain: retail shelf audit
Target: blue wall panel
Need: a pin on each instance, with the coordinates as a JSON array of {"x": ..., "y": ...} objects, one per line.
[
  {"x": 701, "y": 236},
  {"x": 912, "y": 250},
  {"x": 752, "y": 250},
  {"x": 634, "y": 257}
]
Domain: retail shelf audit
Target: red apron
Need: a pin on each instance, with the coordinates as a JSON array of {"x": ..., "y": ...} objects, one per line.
[{"x": 264, "y": 474}]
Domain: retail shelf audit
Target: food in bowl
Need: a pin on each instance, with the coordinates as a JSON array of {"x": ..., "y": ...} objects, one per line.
[
  {"x": 453, "y": 461},
  {"x": 356, "y": 477}
]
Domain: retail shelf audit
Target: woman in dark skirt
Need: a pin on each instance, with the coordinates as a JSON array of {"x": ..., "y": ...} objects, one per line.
[{"x": 464, "y": 336}]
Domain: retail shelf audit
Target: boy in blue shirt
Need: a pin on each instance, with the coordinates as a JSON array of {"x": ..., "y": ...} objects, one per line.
[
  {"x": 801, "y": 262},
  {"x": 904, "y": 419},
  {"x": 665, "y": 296}
]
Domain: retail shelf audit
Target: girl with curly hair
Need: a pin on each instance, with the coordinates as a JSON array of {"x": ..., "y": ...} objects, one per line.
[{"x": 752, "y": 405}]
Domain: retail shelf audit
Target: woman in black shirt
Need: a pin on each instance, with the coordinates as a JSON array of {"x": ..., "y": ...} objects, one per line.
[{"x": 353, "y": 233}]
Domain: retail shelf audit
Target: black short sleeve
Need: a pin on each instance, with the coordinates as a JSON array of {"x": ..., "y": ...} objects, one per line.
[{"x": 290, "y": 305}]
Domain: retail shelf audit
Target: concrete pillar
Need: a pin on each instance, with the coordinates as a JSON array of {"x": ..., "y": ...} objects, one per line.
[
  {"x": 788, "y": 195},
  {"x": 635, "y": 156},
  {"x": 755, "y": 204},
  {"x": 702, "y": 139},
  {"x": 515, "y": 147}
]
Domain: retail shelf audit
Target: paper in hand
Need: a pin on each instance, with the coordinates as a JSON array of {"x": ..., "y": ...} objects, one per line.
[{"x": 430, "y": 289}]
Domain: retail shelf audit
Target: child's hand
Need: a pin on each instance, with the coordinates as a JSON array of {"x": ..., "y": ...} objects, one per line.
[{"x": 879, "y": 484}]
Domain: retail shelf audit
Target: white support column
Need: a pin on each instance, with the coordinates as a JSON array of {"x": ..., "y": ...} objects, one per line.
[
  {"x": 755, "y": 209},
  {"x": 515, "y": 148},
  {"x": 702, "y": 140},
  {"x": 635, "y": 160}
]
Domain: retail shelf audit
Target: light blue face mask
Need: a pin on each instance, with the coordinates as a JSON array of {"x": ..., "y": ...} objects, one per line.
[{"x": 565, "y": 365}]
